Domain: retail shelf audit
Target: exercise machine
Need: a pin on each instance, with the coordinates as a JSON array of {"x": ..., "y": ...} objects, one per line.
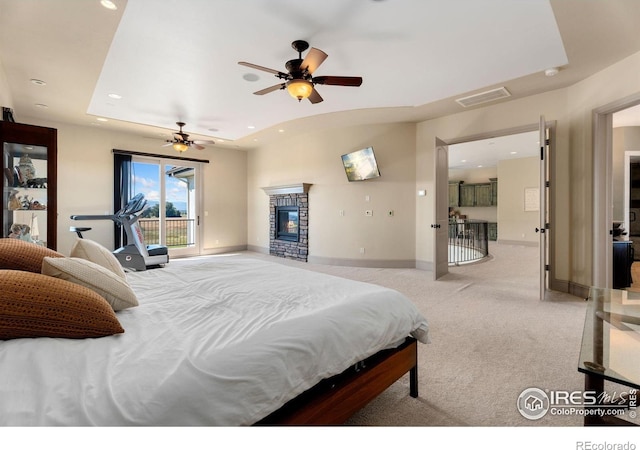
[{"x": 136, "y": 255}]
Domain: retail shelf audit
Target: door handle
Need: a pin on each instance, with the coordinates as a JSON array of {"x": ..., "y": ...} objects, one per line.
[{"x": 435, "y": 225}]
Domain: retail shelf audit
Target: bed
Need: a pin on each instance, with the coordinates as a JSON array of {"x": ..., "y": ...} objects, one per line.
[{"x": 220, "y": 341}]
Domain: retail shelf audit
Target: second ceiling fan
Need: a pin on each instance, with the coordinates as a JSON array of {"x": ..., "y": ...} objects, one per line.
[
  {"x": 299, "y": 80},
  {"x": 181, "y": 141}
]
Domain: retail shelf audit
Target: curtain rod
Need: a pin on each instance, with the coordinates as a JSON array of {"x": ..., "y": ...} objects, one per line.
[{"x": 154, "y": 155}]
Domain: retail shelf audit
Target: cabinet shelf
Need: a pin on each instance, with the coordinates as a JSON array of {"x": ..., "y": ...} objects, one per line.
[{"x": 29, "y": 153}]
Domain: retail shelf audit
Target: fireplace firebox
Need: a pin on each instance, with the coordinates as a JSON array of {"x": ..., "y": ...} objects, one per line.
[{"x": 287, "y": 223}]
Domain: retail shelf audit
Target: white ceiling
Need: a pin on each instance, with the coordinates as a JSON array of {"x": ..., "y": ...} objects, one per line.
[
  {"x": 177, "y": 60},
  {"x": 487, "y": 152}
]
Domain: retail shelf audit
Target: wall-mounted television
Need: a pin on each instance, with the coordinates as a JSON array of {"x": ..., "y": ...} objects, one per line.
[{"x": 361, "y": 165}]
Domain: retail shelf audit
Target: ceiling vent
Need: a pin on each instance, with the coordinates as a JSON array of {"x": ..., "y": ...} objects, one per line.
[{"x": 484, "y": 97}]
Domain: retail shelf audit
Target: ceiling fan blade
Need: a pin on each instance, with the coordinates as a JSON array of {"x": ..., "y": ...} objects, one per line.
[
  {"x": 199, "y": 147},
  {"x": 315, "y": 97},
  {"x": 205, "y": 142},
  {"x": 338, "y": 81},
  {"x": 168, "y": 144},
  {"x": 265, "y": 69},
  {"x": 313, "y": 60},
  {"x": 270, "y": 89}
]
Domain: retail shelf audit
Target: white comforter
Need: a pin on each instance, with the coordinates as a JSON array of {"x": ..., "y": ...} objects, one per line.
[{"x": 216, "y": 341}]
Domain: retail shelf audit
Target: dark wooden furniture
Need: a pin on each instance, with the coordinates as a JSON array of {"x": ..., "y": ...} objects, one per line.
[
  {"x": 334, "y": 400},
  {"x": 38, "y": 144},
  {"x": 622, "y": 261},
  {"x": 610, "y": 351}
]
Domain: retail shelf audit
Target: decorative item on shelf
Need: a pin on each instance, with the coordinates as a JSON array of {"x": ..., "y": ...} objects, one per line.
[
  {"x": 35, "y": 229},
  {"x": 25, "y": 202},
  {"x": 36, "y": 205},
  {"x": 21, "y": 231},
  {"x": 27, "y": 169},
  {"x": 8, "y": 173},
  {"x": 37, "y": 183},
  {"x": 14, "y": 202}
]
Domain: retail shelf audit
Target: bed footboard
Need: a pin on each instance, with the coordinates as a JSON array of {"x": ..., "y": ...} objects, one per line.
[{"x": 334, "y": 400}]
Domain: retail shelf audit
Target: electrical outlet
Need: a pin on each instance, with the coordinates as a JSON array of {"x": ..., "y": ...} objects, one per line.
[
  {"x": 341, "y": 212},
  {"x": 362, "y": 250}
]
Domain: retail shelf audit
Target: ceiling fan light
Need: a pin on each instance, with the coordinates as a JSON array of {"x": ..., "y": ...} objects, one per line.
[
  {"x": 180, "y": 146},
  {"x": 299, "y": 88}
]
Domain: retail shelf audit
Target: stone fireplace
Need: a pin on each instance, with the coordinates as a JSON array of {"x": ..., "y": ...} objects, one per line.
[{"x": 289, "y": 221}]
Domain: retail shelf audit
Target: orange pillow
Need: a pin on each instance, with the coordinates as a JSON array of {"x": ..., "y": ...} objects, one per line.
[
  {"x": 36, "y": 305},
  {"x": 16, "y": 254}
]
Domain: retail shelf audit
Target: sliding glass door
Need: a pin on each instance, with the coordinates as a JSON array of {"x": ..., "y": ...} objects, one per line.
[{"x": 171, "y": 188}]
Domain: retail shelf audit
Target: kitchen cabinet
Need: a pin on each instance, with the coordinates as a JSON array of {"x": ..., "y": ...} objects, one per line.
[{"x": 454, "y": 194}]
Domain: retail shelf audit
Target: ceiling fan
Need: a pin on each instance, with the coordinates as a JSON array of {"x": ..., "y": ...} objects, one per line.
[
  {"x": 299, "y": 80},
  {"x": 181, "y": 141}
]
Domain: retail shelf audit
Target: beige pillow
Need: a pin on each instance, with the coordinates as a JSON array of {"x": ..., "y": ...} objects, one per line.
[
  {"x": 93, "y": 276},
  {"x": 16, "y": 254},
  {"x": 35, "y": 305},
  {"x": 94, "y": 252}
]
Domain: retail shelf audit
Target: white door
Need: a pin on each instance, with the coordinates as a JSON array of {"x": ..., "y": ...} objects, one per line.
[
  {"x": 543, "y": 202},
  {"x": 441, "y": 213},
  {"x": 172, "y": 215}
]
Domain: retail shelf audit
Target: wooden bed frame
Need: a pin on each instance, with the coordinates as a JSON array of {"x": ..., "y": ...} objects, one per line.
[{"x": 334, "y": 400}]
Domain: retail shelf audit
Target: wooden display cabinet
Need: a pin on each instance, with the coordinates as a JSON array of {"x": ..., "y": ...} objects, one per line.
[{"x": 29, "y": 188}]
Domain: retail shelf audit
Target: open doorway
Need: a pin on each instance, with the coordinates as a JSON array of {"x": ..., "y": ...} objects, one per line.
[
  {"x": 509, "y": 166},
  {"x": 491, "y": 183},
  {"x": 626, "y": 198},
  {"x": 608, "y": 176}
]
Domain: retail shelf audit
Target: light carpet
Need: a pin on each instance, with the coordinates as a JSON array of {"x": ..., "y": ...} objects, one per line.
[{"x": 491, "y": 338}]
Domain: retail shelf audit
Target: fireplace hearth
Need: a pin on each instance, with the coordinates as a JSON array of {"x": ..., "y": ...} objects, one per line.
[{"x": 288, "y": 221}]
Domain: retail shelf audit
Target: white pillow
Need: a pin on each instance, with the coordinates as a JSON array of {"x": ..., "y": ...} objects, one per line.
[
  {"x": 94, "y": 252},
  {"x": 114, "y": 289}
]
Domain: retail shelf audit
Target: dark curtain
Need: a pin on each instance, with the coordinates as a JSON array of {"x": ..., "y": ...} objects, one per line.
[{"x": 121, "y": 192}]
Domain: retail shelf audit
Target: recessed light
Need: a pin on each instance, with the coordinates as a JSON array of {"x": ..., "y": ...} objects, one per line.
[
  {"x": 41, "y": 105},
  {"x": 102, "y": 119},
  {"x": 251, "y": 127},
  {"x": 38, "y": 82},
  {"x": 115, "y": 96},
  {"x": 513, "y": 153},
  {"x": 280, "y": 130},
  {"x": 109, "y": 4},
  {"x": 464, "y": 160},
  {"x": 479, "y": 165},
  {"x": 551, "y": 72}
]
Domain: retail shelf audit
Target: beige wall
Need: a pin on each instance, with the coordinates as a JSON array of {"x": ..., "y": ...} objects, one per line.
[
  {"x": 625, "y": 139},
  {"x": 239, "y": 208},
  {"x": 616, "y": 82},
  {"x": 5, "y": 93},
  {"x": 85, "y": 184},
  {"x": 509, "y": 115},
  {"x": 314, "y": 158},
  {"x": 514, "y": 223}
]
